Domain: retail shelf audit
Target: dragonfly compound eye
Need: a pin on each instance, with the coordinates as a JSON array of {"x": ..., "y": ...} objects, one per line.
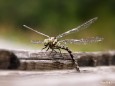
[
  {"x": 55, "y": 41},
  {"x": 46, "y": 41}
]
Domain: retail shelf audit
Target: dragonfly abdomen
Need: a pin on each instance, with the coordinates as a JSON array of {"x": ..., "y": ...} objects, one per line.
[{"x": 71, "y": 55}]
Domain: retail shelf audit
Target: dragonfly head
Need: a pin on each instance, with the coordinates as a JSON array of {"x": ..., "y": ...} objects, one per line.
[
  {"x": 46, "y": 41},
  {"x": 51, "y": 40}
]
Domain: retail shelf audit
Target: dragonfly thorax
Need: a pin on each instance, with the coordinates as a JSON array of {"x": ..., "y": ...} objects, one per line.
[{"x": 51, "y": 41}]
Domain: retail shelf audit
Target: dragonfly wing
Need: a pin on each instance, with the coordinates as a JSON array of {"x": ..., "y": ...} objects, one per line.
[
  {"x": 37, "y": 42},
  {"x": 36, "y": 31},
  {"x": 82, "y": 41},
  {"x": 83, "y": 26}
]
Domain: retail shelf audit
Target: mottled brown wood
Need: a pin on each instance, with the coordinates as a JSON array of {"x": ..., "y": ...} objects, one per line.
[
  {"x": 8, "y": 60},
  {"x": 34, "y": 60},
  {"x": 46, "y": 61}
]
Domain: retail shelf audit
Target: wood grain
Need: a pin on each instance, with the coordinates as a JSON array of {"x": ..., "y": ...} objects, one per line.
[{"x": 34, "y": 60}]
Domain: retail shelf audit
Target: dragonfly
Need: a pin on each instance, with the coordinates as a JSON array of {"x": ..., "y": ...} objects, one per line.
[{"x": 54, "y": 43}]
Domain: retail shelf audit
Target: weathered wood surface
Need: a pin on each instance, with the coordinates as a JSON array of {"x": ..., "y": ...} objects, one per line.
[
  {"x": 92, "y": 76},
  {"x": 34, "y": 60},
  {"x": 31, "y": 60}
]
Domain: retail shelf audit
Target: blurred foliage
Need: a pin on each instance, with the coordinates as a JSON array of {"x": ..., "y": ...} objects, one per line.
[{"x": 53, "y": 17}]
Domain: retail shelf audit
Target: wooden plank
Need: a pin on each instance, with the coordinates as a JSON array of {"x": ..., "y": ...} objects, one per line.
[{"x": 34, "y": 60}]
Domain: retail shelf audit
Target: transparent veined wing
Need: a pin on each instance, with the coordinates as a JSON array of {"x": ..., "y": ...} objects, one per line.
[
  {"x": 36, "y": 42},
  {"x": 36, "y": 31},
  {"x": 83, "y": 26},
  {"x": 82, "y": 41}
]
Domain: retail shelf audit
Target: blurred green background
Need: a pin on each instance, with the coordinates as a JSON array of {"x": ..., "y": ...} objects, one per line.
[{"x": 53, "y": 17}]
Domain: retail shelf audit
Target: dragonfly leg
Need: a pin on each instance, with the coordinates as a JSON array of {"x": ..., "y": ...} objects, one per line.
[
  {"x": 60, "y": 52},
  {"x": 47, "y": 49},
  {"x": 51, "y": 51},
  {"x": 44, "y": 48},
  {"x": 55, "y": 52}
]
